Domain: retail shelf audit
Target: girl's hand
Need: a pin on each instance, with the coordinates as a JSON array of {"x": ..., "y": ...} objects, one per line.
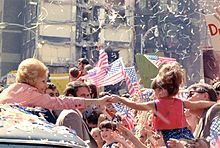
[
  {"x": 104, "y": 100},
  {"x": 115, "y": 99}
]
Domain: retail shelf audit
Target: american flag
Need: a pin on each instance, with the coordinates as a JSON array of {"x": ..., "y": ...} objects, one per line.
[
  {"x": 158, "y": 61},
  {"x": 130, "y": 76},
  {"x": 114, "y": 73},
  {"x": 98, "y": 73},
  {"x": 146, "y": 94},
  {"x": 103, "y": 59},
  {"x": 126, "y": 115}
]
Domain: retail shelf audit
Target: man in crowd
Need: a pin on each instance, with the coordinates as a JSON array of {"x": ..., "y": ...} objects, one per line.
[{"x": 74, "y": 118}]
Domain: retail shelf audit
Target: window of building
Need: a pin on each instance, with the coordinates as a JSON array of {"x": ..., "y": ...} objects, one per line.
[
  {"x": 95, "y": 13},
  {"x": 121, "y": 18},
  {"x": 85, "y": 16}
]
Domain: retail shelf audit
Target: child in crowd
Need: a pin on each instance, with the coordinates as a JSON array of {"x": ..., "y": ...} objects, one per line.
[
  {"x": 168, "y": 110},
  {"x": 74, "y": 74},
  {"x": 52, "y": 90},
  {"x": 82, "y": 62},
  {"x": 96, "y": 134},
  {"x": 111, "y": 137},
  {"x": 30, "y": 87}
]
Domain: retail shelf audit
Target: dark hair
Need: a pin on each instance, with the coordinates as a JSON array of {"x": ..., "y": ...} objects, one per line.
[
  {"x": 74, "y": 72},
  {"x": 51, "y": 86},
  {"x": 93, "y": 89},
  {"x": 84, "y": 61},
  {"x": 170, "y": 77},
  {"x": 117, "y": 118},
  {"x": 72, "y": 88},
  {"x": 108, "y": 124},
  {"x": 92, "y": 115},
  {"x": 102, "y": 94},
  {"x": 126, "y": 95},
  {"x": 207, "y": 88}
]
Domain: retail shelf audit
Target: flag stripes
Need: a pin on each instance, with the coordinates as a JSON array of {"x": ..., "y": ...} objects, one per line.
[{"x": 158, "y": 61}]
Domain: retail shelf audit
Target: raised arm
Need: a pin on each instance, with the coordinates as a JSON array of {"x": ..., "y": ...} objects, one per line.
[{"x": 130, "y": 136}]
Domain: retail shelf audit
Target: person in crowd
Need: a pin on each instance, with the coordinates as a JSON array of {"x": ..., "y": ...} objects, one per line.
[
  {"x": 47, "y": 113},
  {"x": 52, "y": 90},
  {"x": 143, "y": 137},
  {"x": 91, "y": 116},
  {"x": 74, "y": 118},
  {"x": 87, "y": 68},
  {"x": 208, "y": 127},
  {"x": 82, "y": 62},
  {"x": 110, "y": 136},
  {"x": 205, "y": 92},
  {"x": 108, "y": 111},
  {"x": 96, "y": 134},
  {"x": 169, "y": 117},
  {"x": 93, "y": 90},
  {"x": 31, "y": 84},
  {"x": 127, "y": 134},
  {"x": 74, "y": 74},
  {"x": 146, "y": 133}
]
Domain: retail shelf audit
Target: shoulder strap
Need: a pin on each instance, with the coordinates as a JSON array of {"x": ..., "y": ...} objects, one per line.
[{"x": 155, "y": 105}]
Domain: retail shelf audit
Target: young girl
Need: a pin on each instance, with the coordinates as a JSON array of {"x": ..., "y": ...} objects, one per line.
[
  {"x": 168, "y": 110},
  {"x": 31, "y": 84}
]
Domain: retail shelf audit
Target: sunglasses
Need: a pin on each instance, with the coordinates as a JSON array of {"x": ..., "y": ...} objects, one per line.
[{"x": 192, "y": 92}]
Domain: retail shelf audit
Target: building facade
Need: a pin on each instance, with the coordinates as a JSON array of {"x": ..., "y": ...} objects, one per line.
[
  {"x": 174, "y": 28},
  {"x": 11, "y": 32},
  {"x": 59, "y": 32}
]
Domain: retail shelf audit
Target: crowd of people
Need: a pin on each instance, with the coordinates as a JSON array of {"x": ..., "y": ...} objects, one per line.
[{"x": 165, "y": 121}]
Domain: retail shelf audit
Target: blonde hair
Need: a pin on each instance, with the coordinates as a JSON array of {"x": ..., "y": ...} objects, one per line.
[{"x": 30, "y": 70}]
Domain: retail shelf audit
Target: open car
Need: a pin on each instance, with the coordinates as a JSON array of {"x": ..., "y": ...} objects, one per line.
[{"x": 19, "y": 128}]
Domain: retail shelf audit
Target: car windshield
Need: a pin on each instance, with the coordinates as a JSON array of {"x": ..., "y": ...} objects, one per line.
[{"x": 20, "y": 127}]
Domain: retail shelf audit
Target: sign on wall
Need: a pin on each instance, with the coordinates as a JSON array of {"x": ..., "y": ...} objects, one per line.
[{"x": 213, "y": 24}]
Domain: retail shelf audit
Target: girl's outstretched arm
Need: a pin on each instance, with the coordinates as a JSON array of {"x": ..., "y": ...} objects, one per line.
[{"x": 138, "y": 106}]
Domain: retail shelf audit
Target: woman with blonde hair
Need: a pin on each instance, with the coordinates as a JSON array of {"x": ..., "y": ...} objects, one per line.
[{"x": 31, "y": 84}]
